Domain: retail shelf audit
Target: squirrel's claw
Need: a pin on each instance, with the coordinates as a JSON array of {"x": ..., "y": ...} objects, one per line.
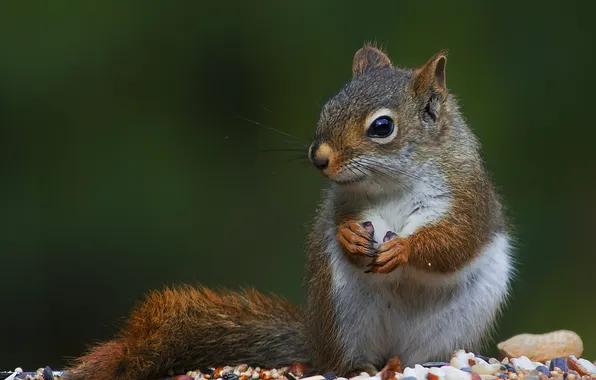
[
  {"x": 357, "y": 239},
  {"x": 389, "y": 236}
]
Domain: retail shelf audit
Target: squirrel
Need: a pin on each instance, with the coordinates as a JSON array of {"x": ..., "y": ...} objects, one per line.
[{"x": 409, "y": 256}]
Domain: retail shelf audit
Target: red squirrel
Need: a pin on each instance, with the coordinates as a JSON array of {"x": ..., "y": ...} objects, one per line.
[{"x": 409, "y": 255}]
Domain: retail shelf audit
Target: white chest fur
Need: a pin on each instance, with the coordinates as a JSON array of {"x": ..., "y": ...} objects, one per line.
[{"x": 417, "y": 316}]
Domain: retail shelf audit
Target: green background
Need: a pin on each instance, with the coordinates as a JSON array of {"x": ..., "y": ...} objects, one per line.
[{"x": 126, "y": 164}]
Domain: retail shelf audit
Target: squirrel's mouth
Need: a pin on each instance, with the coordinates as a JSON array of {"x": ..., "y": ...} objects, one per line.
[
  {"x": 345, "y": 175},
  {"x": 340, "y": 173}
]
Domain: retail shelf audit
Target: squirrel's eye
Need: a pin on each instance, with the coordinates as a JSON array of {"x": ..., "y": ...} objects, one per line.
[{"x": 381, "y": 127}]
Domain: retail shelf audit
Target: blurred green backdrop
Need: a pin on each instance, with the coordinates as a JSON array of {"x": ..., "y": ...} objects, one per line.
[{"x": 126, "y": 163}]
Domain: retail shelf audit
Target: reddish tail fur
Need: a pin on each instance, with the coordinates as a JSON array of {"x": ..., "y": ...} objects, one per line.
[{"x": 186, "y": 328}]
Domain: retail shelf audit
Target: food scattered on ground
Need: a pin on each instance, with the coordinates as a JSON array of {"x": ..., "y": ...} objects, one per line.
[{"x": 530, "y": 362}]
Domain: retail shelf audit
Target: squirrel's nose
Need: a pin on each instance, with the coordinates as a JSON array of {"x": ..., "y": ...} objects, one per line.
[
  {"x": 319, "y": 155},
  {"x": 321, "y": 163}
]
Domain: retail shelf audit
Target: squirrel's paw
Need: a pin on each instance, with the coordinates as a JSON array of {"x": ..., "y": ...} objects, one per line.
[
  {"x": 390, "y": 255},
  {"x": 356, "y": 238}
]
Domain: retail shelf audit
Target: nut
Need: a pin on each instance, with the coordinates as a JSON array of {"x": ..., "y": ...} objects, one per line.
[{"x": 541, "y": 347}]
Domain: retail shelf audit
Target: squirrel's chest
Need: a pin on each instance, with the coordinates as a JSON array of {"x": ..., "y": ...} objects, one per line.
[{"x": 405, "y": 214}]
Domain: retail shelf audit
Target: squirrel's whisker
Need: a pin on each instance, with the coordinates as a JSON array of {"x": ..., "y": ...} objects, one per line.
[
  {"x": 284, "y": 150},
  {"x": 358, "y": 167},
  {"x": 274, "y": 129},
  {"x": 296, "y": 143},
  {"x": 377, "y": 170},
  {"x": 399, "y": 172},
  {"x": 297, "y": 158},
  {"x": 265, "y": 108}
]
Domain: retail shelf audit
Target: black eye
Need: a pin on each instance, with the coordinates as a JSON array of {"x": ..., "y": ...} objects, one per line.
[{"x": 381, "y": 127}]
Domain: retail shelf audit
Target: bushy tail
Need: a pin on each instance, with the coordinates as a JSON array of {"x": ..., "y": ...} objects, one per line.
[{"x": 186, "y": 328}]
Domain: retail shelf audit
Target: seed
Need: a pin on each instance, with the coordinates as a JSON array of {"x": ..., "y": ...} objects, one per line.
[
  {"x": 434, "y": 364},
  {"x": 559, "y": 363}
]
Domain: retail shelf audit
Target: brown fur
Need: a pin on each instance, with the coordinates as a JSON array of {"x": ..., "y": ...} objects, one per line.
[
  {"x": 323, "y": 332},
  {"x": 186, "y": 328},
  {"x": 459, "y": 237}
]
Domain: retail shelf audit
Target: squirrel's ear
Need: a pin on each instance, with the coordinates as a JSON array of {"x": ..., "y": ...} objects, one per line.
[
  {"x": 369, "y": 58},
  {"x": 431, "y": 74}
]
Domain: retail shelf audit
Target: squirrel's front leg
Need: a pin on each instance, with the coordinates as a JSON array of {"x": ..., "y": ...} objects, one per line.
[
  {"x": 443, "y": 247},
  {"x": 357, "y": 238}
]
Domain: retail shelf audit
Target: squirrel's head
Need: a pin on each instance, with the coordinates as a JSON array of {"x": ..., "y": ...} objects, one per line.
[{"x": 382, "y": 119}]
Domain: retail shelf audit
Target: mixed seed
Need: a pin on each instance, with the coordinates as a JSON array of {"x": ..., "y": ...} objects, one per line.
[
  {"x": 563, "y": 346},
  {"x": 462, "y": 366}
]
